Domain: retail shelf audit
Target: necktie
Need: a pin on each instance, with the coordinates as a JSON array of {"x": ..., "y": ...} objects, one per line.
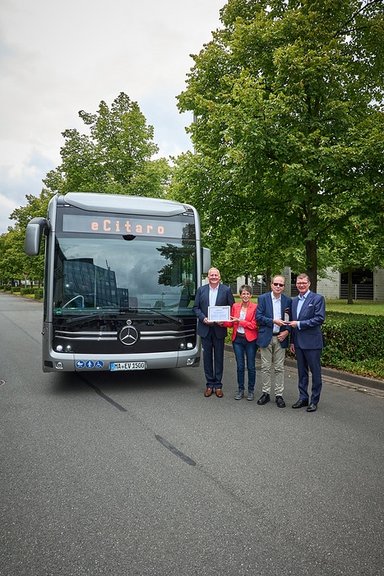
[{"x": 300, "y": 304}]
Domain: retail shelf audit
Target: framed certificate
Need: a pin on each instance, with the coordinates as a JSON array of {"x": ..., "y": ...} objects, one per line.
[{"x": 219, "y": 313}]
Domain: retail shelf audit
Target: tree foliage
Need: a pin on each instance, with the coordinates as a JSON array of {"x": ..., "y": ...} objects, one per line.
[
  {"x": 14, "y": 263},
  {"x": 288, "y": 129},
  {"x": 115, "y": 156}
]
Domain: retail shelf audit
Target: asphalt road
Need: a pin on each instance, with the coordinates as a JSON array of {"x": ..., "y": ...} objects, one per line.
[{"x": 139, "y": 474}]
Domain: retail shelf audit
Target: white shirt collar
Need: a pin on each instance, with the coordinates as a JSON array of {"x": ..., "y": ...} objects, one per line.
[{"x": 303, "y": 297}]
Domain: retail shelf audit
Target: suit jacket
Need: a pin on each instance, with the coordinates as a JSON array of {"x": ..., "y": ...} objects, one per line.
[
  {"x": 312, "y": 316},
  {"x": 249, "y": 323},
  {"x": 264, "y": 318},
  {"x": 224, "y": 298}
]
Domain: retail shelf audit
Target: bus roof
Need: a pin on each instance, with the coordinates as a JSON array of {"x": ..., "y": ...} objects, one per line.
[{"x": 123, "y": 204}]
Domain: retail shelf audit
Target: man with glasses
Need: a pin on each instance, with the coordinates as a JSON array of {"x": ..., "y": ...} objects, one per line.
[
  {"x": 272, "y": 313},
  {"x": 308, "y": 314}
]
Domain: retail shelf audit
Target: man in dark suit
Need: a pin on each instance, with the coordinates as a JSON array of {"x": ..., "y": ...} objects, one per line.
[
  {"x": 212, "y": 333},
  {"x": 272, "y": 313},
  {"x": 308, "y": 314}
]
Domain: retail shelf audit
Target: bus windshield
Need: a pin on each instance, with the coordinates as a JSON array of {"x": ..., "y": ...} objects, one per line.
[{"x": 104, "y": 274}]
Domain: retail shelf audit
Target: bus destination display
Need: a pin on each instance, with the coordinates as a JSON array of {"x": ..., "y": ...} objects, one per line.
[{"x": 135, "y": 226}]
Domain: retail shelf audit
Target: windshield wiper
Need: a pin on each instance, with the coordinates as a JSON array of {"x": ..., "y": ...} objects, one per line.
[
  {"x": 81, "y": 319},
  {"x": 153, "y": 311}
]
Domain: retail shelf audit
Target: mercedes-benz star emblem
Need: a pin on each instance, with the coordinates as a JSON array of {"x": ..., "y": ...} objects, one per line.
[{"x": 128, "y": 335}]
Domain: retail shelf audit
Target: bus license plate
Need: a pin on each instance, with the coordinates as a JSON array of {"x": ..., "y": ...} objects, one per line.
[{"x": 114, "y": 366}]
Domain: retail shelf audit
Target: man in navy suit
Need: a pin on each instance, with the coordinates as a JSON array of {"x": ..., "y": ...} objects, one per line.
[
  {"x": 272, "y": 313},
  {"x": 212, "y": 333},
  {"x": 308, "y": 314}
]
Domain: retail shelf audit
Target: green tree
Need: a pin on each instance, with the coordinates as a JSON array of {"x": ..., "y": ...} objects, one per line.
[
  {"x": 288, "y": 127},
  {"x": 116, "y": 156},
  {"x": 13, "y": 260},
  {"x": 14, "y": 263}
]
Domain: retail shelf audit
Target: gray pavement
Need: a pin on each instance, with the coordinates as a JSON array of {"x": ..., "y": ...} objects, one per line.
[{"x": 138, "y": 474}]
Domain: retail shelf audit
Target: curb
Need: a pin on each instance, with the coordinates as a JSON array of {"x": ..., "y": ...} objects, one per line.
[
  {"x": 340, "y": 376},
  {"x": 362, "y": 384},
  {"x": 335, "y": 376}
]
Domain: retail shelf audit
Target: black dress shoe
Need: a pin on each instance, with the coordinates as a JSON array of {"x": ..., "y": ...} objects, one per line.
[
  {"x": 312, "y": 407},
  {"x": 280, "y": 402},
  {"x": 300, "y": 404},
  {"x": 264, "y": 398}
]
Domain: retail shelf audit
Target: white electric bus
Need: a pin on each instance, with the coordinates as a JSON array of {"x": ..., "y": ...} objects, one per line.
[{"x": 121, "y": 274}]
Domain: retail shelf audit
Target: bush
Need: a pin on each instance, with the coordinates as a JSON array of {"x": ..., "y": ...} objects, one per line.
[{"x": 354, "y": 340}]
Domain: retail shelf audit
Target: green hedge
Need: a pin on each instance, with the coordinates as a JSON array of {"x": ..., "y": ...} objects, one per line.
[
  {"x": 28, "y": 291},
  {"x": 31, "y": 291},
  {"x": 354, "y": 342}
]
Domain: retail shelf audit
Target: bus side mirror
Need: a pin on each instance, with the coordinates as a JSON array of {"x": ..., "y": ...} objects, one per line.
[
  {"x": 206, "y": 260},
  {"x": 33, "y": 234}
]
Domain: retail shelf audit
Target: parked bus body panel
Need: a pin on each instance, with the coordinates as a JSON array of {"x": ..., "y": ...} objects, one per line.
[{"x": 166, "y": 330}]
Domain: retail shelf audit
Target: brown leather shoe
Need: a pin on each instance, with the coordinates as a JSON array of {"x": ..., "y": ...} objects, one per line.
[
  {"x": 219, "y": 392},
  {"x": 208, "y": 392}
]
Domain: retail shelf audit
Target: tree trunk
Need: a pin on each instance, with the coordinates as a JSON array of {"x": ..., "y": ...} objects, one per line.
[
  {"x": 268, "y": 274},
  {"x": 311, "y": 262},
  {"x": 350, "y": 287}
]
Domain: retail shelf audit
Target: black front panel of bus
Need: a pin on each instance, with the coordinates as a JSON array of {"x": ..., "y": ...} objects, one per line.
[{"x": 103, "y": 335}]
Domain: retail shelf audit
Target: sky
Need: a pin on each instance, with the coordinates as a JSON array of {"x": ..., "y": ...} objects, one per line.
[{"x": 57, "y": 58}]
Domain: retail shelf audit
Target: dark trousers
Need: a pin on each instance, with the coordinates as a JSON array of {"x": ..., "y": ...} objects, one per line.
[
  {"x": 213, "y": 358},
  {"x": 309, "y": 359}
]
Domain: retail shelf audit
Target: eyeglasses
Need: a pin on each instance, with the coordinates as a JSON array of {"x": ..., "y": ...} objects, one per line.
[{"x": 278, "y": 284}]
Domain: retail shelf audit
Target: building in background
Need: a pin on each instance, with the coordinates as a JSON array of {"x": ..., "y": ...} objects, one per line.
[{"x": 366, "y": 284}]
